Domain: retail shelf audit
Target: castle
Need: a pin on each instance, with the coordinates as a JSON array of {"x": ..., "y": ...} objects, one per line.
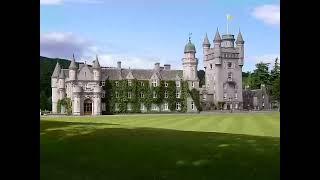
[{"x": 223, "y": 80}]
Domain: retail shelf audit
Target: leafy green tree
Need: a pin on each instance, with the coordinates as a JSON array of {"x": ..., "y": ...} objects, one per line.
[{"x": 260, "y": 76}]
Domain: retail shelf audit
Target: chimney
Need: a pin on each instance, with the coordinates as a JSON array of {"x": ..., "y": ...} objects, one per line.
[
  {"x": 157, "y": 66},
  {"x": 161, "y": 68},
  {"x": 119, "y": 64},
  {"x": 166, "y": 66}
]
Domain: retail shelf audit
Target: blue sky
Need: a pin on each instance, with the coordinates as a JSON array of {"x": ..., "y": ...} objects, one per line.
[{"x": 142, "y": 32}]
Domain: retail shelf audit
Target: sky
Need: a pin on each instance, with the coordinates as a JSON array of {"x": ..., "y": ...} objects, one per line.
[{"x": 140, "y": 33}]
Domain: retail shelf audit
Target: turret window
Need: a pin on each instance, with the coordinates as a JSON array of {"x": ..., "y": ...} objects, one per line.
[
  {"x": 210, "y": 66},
  {"x": 229, "y": 65}
]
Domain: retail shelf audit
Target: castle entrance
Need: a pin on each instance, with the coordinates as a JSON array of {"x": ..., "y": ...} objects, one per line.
[{"x": 87, "y": 107}]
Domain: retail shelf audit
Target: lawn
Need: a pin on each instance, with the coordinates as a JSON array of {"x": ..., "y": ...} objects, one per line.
[{"x": 197, "y": 147}]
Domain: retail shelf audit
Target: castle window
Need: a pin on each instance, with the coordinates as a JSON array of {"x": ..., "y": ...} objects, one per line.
[
  {"x": 210, "y": 66},
  {"x": 117, "y": 94},
  {"x": 204, "y": 97},
  {"x": 166, "y": 106},
  {"x": 177, "y": 83},
  {"x": 263, "y": 104},
  {"x": 129, "y": 95},
  {"x": 103, "y": 83},
  {"x": 262, "y": 96},
  {"x": 85, "y": 74},
  {"x": 141, "y": 106},
  {"x": 129, "y": 82},
  {"x": 165, "y": 84},
  {"x": 116, "y": 106},
  {"x": 102, "y": 95},
  {"x": 225, "y": 86},
  {"x": 165, "y": 94},
  {"x": 178, "y": 106},
  {"x": 230, "y": 75},
  {"x": 141, "y": 83},
  {"x": 154, "y": 94},
  {"x": 192, "y": 84},
  {"x": 117, "y": 83},
  {"x": 129, "y": 107},
  {"x": 236, "y": 96},
  {"x": 154, "y": 107},
  {"x": 229, "y": 64},
  {"x": 177, "y": 94},
  {"x": 236, "y": 107},
  {"x": 192, "y": 105},
  {"x": 141, "y": 95},
  {"x": 154, "y": 83},
  {"x": 225, "y": 96}
]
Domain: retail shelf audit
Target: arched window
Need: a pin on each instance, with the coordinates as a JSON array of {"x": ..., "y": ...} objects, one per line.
[
  {"x": 230, "y": 75},
  {"x": 229, "y": 64}
]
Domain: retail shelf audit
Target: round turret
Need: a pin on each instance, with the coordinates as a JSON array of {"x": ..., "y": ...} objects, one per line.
[{"x": 189, "y": 48}]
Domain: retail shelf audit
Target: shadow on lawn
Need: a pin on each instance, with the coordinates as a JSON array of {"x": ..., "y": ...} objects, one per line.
[{"x": 113, "y": 151}]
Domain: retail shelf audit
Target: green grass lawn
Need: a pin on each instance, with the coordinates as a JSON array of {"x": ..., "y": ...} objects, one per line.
[{"x": 197, "y": 147}]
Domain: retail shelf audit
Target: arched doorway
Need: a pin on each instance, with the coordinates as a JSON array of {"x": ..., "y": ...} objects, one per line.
[{"x": 87, "y": 107}]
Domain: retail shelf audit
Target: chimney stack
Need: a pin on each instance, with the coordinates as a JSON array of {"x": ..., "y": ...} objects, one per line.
[
  {"x": 167, "y": 66},
  {"x": 157, "y": 66},
  {"x": 119, "y": 64}
]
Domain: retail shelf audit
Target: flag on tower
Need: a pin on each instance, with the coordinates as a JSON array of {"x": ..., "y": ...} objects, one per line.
[{"x": 229, "y": 17}]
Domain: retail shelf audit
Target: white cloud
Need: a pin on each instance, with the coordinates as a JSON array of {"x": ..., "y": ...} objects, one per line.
[
  {"x": 64, "y": 44},
  {"x": 269, "y": 14}
]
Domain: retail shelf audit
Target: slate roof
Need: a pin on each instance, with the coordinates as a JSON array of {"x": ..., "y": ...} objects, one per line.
[{"x": 140, "y": 74}]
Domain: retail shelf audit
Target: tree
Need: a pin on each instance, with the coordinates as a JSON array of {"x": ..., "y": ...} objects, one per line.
[
  {"x": 260, "y": 76},
  {"x": 275, "y": 80}
]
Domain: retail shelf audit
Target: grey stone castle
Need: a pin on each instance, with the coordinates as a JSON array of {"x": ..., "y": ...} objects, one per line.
[{"x": 223, "y": 78}]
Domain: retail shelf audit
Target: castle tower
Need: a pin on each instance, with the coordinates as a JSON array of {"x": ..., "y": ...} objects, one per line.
[
  {"x": 96, "y": 70},
  {"x": 190, "y": 64},
  {"x": 73, "y": 70},
  {"x": 206, "y": 45},
  {"x": 54, "y": 87},
  {"x": 240, "y": 46},
  {"x": 61, "y": 85}
]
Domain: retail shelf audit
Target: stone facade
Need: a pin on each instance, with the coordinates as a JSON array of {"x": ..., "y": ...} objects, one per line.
[
  {"x": 256, "y": 99},
  {"x": 223, "y": 71},
  {"x": 223, "y": 79}
]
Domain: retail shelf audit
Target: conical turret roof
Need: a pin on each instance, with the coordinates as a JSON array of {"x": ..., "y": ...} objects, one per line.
[
  {"x": 73, "y": 64},
  {"x": 56, "y": 71},
  {"x": 206, "y": 41},
  {"x": 61, "y": 75},
  {"x": 96, "y": 64},
  {"x": 239, "y": 38},
  {"x": 217, "y": 37}
]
